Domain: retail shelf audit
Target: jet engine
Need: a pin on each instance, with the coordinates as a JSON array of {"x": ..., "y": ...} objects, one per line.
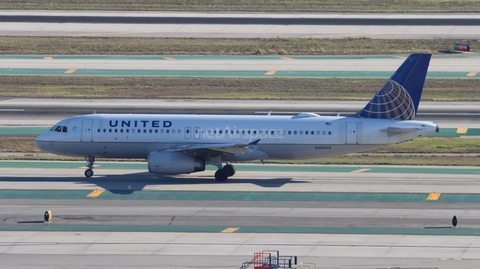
[{"x": 172, "y": 163}]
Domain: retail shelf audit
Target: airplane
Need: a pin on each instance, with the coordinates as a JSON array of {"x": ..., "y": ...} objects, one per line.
[{"x": 183, "y": 144}]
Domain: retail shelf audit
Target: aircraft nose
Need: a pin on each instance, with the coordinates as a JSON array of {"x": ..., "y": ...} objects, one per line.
[{"x": 40, "y": 142}]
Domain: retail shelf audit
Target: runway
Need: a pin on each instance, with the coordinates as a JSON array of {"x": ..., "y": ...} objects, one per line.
[
  {"x": 238, "y": 25},
  {"x": 334, "y": 216}
]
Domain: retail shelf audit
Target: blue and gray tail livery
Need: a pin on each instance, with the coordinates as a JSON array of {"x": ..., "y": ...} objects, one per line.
[{"x": 399, "y": 98}]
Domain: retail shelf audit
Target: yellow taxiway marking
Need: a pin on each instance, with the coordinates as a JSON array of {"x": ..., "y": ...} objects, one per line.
[
  {"x": 361, "y": 170},
  {"x": 69, "y": 71},
  {"x": 433, "y": 196},
  {"x": 271, "y": 72},
  {"x": 96, "y": 193},
  {"x": 48, "y": 58},
  {"x": 168, "y": 58},
  {"x": 472, "y": 74},
  {"x": 462, "y": 130},
  {"x": 286, "y": 58},
  {"x": 230, "y": 230}
]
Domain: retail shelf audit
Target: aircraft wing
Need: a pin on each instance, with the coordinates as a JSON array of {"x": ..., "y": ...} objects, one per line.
[{"x": 213, "y": 149}]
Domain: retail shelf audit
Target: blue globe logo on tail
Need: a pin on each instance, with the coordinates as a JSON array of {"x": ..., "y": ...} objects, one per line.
[
  {"x": 398, "y": 99},
  {"x": 391, "y": 102}
]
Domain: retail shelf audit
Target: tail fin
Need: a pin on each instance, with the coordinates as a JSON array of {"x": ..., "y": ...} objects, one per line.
[{"x": 399, "y": 98}]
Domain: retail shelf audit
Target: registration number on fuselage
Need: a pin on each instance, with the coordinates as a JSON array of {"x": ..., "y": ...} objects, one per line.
[{"x": 323, "y": 147}]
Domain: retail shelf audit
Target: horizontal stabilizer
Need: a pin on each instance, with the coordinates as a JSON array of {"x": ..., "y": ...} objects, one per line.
[{"x": 391, "y": 131}]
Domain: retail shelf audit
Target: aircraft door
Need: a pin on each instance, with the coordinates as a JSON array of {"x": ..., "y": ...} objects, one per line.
[
  {"x": 188, "y": 132},
  {"x": 86, "y": 131},
  {"x": 196, "y": 135},
  {"x": 351, "y": 133}
]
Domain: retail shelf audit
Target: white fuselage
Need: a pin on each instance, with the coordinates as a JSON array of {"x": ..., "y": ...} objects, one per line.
[{"x": 303, "y": 136}]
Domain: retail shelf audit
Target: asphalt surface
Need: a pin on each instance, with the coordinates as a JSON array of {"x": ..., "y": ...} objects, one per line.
[
  {"x": 238, "y": 25},
  {"x": 254, "y": 20},
  {"x": 367, "y": 218}
]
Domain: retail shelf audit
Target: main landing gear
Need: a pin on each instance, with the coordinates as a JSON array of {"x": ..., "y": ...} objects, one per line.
[
  {"x": 90, "y": 162},
  {"x": 227, "y": 171}
]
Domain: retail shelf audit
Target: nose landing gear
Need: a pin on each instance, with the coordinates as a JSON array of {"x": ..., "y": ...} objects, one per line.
[{"x": 90, "y": 162}]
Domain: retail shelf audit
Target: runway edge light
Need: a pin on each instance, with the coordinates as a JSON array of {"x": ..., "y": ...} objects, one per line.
[{"x": 47, "y": 216}]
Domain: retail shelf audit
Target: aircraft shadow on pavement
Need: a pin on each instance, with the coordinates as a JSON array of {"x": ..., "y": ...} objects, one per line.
[{"x": 129, "y": 183}]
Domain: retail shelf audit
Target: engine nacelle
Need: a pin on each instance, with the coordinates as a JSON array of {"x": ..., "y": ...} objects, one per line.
[{"x": 172, "y": 163}]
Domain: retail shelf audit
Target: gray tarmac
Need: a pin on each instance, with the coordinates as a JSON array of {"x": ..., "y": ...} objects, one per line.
[
  {"x": 415, "y": 30},
  {"x": 115, "y": 249},
  {"x": 439, "y": 63}
]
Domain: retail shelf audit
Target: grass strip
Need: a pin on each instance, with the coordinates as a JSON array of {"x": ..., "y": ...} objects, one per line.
[
  {"x": 222, "y": 88},
  {"x": 371, "y": 6},
  {"x": 221, "y": 46}
]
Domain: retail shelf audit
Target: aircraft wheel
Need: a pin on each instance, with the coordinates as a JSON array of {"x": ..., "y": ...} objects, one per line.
[
  {"x": 88, "y": 172},
  {"x": 230, "y": 170},
  {"x": 221, "y": 175}
]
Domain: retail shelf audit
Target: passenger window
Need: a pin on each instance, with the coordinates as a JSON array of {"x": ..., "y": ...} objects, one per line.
[
  {"x": 173, "y": 131},
  {"x": 104, "y": 130},
  {"x": 295, "y": 132},
  {"x": 98, "y": 130},
  {"x": 178, "y": 131}
]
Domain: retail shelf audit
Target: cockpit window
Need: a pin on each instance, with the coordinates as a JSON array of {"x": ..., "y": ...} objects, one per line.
[{"x": 60, "y": 129}]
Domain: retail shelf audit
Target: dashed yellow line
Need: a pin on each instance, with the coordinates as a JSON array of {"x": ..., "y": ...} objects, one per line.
[
  {"x": 169, "y": 58},
  {"x": 462, "y": 130},
  {"x": 69, "y": 71},
  {"x": 433, "y": 196},
  {"x": 271, "y": 72},
  {"x": 96, "y": 193},
  {"x": 48, "y": 58},
  {"x": 472, "y": 74},
  {"x": 361, "y": 170},
  {"x": 229, "y": 230}
]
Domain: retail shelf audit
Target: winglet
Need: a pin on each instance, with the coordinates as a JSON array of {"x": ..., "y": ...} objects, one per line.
[
  {"x": 399, "y": 98},
  {"x": 254, "y": 142}
]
